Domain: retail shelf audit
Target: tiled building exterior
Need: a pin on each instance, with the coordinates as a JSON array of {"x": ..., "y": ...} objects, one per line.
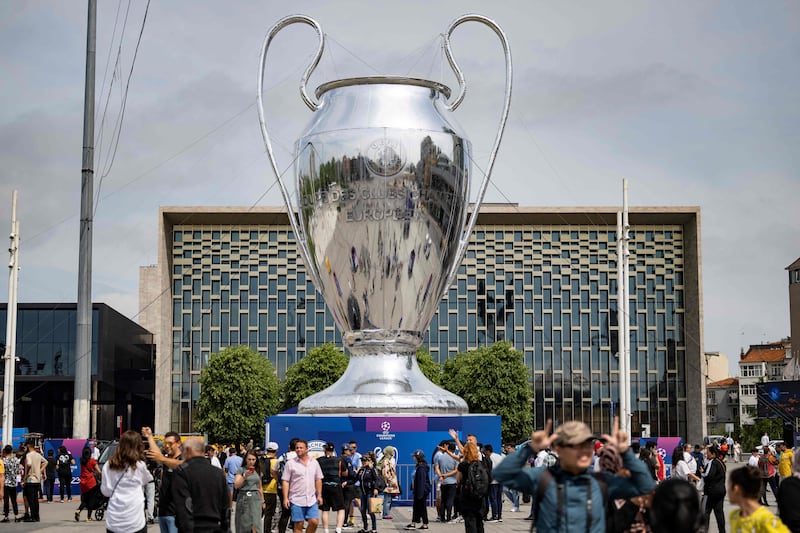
[
  {"x": 722, "y": 406},
  {"x": 761, "y": 363},
  {"x": 543, "y": 279}
]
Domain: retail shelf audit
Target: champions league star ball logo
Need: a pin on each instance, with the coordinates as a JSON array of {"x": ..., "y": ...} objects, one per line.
[{"x": 386, "y": 426}]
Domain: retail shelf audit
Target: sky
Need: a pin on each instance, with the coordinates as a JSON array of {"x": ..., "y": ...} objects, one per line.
[{"x": 695, "y": 103}]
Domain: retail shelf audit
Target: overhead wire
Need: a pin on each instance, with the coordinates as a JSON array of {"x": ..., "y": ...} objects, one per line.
[{"x": 118, "y": 127}]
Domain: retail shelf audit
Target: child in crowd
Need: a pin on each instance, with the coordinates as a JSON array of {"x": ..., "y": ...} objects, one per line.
[{"x": 744, "y": 490}]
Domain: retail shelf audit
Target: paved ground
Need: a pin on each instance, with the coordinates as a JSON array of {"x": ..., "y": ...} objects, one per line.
[{"x": 60, "y": 518}]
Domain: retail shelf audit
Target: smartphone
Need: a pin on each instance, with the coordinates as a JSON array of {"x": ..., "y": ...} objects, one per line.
[{"x": 252, "y": 469}]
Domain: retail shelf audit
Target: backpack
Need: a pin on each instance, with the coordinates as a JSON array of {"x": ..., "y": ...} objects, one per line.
[
  {"x": 281, "y": 467},
  {"x": 551, "y": 459},
  {"x": 487, "y": 464},
  {"x": 266, "y": 470},
  {"x": 765, "y": 467},
  {"x": 476, "y": 482}
]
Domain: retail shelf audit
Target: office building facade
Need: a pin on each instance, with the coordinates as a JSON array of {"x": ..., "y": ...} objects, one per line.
[{"x": 543, "y": 279}]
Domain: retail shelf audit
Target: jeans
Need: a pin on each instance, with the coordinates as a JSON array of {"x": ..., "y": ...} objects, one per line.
[
  {"x": 269, "y": 511},
  {"x": 364, "y": 512},
  {"x": 496, "y": 500},
  {"x": 31, "y": 493},
  {"x": 167, "y": 524},
  {"x": 387, "y": 504},
  {"x": 286, "y": 514},
  {"x": 65, "y": 484},
  {"x": 50, "y": 485},
  {"x": 513, "y": 496},
  {"x": 10, "y": 497}
]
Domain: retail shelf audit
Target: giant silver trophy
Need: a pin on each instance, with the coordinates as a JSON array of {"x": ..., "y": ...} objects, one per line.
[{"x": 383, "y": 181}]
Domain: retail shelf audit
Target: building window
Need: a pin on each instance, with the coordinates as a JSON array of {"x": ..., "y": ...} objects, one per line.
[
  {"x": 776, "y": 371},
  {"x": 748, "y": 390},
  {"x": 751, "y": 371},
  {"x": 711, "y": 397},
  {"x": 711, "y": 413}
]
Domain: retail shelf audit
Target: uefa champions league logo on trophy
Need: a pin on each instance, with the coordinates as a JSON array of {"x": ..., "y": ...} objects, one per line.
[{"x": 383, "y": 189}]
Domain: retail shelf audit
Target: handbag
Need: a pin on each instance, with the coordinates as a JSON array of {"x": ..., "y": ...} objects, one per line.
[{"x": 375, "y": 505}]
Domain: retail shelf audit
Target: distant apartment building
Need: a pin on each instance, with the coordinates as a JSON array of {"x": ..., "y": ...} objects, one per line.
[
  {"x": 761, "y": 363},
  {"x": 716, "y": 367},
  {"x": 794, "y": 312},
  {"x": 722, "y": 406}
]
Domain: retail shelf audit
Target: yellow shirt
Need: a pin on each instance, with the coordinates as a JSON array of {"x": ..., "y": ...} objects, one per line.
[
  {"x": 785, "y": 464},
  {"x": 761, "y": 521}
]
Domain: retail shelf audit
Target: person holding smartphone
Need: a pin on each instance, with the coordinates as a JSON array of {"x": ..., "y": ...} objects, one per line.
[{"x": 250, "y": 499}]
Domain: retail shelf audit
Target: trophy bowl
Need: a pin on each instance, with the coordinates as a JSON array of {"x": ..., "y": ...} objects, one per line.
[{"x": 383, "y": 189}]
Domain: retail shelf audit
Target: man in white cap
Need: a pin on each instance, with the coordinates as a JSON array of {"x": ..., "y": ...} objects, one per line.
[
  {"x": 569, "y": 493},
  {"x": 269, "y": 483}
]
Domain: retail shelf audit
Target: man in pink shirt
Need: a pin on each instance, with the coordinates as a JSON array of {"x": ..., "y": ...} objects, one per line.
[{"x": 302, "y": 488}]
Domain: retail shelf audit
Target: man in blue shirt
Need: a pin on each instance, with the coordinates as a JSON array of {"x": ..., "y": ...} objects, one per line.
[
  {"x": 572, "y": 498},
  {"x": 232, "y": 465}
]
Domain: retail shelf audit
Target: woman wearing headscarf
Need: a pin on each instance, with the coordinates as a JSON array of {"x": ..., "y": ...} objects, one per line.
[
  {"x": 387, "y": 467},
  {"x": 124, "y": 478},
  {"x": 789, "y": 496}
]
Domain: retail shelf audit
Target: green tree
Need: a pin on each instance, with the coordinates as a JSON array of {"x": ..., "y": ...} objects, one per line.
[
  {"x": 749, "y": 435},
  {"x": 318, "y": 370},
  {"x": 238, "y": 390},
  {"x": 430, "y": 368},
  {"x": 493, "y": 379}
]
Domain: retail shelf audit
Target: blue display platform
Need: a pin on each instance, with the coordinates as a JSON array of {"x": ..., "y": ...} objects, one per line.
[{"x": 374, "y": 432}]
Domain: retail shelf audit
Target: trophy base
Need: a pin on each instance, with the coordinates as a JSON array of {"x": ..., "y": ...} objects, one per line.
[{"x": 384, "y": 382}]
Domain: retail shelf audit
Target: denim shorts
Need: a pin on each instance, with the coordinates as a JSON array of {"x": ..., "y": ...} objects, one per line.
[{"x": 300, "y": 514}]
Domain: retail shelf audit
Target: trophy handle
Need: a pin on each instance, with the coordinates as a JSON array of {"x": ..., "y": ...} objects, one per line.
[
  {"x": 299, "y": 233},
  {"x": 464, "y": 241}
]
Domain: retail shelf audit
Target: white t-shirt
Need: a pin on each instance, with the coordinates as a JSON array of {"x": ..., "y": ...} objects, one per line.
[
  {"x": 681, "y": 471},
  {"x": 764, "y": 440},
  {"x": 753, "y": 461},
  {"x": 215, "y": 462},
  {"x": 126, "y": 506}
]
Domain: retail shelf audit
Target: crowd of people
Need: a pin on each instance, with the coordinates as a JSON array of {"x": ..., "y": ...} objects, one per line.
[{"x": 572, "y": 479}]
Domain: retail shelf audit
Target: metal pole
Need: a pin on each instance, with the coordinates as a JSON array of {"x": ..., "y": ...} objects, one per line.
[
  {"x": 624, "y": 374},
  {"x": 626, "y": 340},
  {"x": 81, "y": 412},
  {"x": 10, "y": 355}
]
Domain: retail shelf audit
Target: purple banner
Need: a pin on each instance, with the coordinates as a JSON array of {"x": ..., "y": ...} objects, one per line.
[{"x": 392, "y": 424}]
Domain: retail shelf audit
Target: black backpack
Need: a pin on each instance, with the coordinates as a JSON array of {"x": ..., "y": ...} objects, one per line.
[
  {"x": 266, "y": 470},
  {"x": 476, "y": 482}
]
